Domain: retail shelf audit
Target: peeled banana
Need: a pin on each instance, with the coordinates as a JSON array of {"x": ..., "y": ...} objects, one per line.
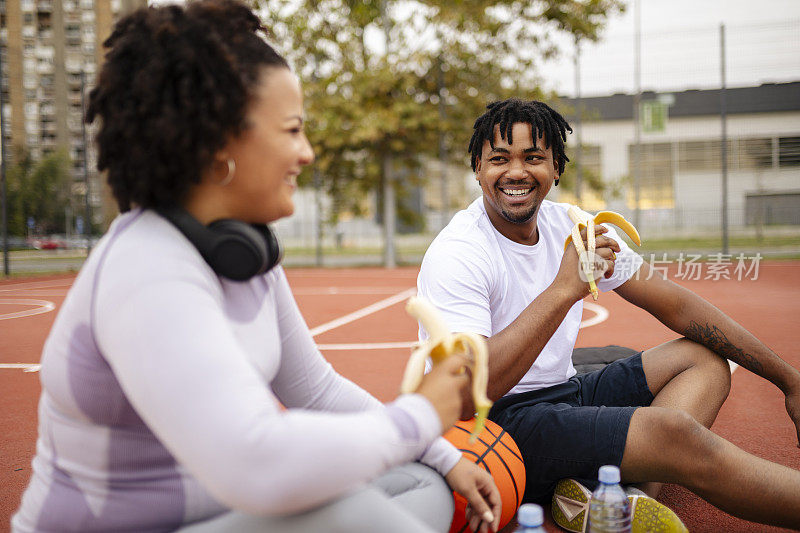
[
  {"x": 441, "y": 344},
  {"x": 586, "y": 255}
]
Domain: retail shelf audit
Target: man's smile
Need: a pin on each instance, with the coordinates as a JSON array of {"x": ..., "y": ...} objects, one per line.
[{"x": 515, "y": 192}]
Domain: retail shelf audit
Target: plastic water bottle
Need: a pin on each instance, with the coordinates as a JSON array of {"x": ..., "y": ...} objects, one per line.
[
  {"x": 609, "y": 509},
  {"x": 530, "y": 518}
]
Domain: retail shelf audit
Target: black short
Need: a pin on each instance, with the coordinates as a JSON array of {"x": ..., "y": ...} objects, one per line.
[{"x": 572, "y": 429}]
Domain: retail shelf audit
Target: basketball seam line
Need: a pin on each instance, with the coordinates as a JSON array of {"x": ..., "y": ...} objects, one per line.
[
  {"x": 495, "y": 436},
  {"x": 480, "y": 458},
  {"x": 505, "y": 445}
]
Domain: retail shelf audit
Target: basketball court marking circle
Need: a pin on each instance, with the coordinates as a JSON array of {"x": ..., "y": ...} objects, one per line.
[{"x": 41, "y": 306}]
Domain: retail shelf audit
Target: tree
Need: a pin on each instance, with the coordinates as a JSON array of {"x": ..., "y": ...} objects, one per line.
[
  {"x": 367, "y": 104},
  {"x": 39, "y": 191}
]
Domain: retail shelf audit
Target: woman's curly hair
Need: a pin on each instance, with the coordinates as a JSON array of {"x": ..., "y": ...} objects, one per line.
[{"x": 174, "y": 87}]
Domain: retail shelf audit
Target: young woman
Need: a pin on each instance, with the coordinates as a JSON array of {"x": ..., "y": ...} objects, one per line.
[{"x": 181, "y": 386}]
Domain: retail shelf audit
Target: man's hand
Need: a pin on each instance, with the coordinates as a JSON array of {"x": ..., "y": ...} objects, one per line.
[
  {"x": 570, "y": 276},
  {"x": 793, "y": 408},
  {"x": 483, "y": 499}
]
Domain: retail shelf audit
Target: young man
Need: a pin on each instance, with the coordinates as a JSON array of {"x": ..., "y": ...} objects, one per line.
[{"x": 499, "y": 269}]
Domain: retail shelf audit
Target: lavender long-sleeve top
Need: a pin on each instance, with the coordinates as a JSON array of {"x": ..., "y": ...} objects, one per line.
[{"x": 162, "y": 391}]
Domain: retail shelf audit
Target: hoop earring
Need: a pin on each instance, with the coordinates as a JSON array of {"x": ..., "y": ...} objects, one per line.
[
  {"x": 556, "y": 182},
  {"x": 231, "y": 171}
]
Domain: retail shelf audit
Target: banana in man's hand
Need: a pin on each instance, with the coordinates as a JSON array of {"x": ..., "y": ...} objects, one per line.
[
  {"x": 442, "y": 343},
  {"x": 586, "y": 255}
]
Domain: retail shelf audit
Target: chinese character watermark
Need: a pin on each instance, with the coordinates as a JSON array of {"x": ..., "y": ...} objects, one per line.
[{"x": 691, "y": 267}]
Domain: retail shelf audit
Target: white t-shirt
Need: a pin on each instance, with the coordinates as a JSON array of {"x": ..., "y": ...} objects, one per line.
[{"x": 481, "y": 281}]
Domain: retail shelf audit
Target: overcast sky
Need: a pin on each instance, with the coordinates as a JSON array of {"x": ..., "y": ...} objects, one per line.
[{"x": 681, "y": 47}]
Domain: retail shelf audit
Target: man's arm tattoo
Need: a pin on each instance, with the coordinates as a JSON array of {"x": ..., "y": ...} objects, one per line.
[{"x": 714, "y": 339}]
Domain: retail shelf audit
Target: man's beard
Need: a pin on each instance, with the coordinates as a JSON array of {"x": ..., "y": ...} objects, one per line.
[{"x": 520, "y": 218}]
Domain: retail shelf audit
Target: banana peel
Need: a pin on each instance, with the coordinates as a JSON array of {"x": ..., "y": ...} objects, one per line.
[
  {"x": 441, "y": 343},
  {"x": 586, "y": 255}
]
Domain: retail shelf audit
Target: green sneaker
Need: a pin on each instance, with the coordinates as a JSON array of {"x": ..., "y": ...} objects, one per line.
[
  {"x": 570, "y": 510},
  {"x": 648, "y": 514},
  {"x": 571, "y": 505}
]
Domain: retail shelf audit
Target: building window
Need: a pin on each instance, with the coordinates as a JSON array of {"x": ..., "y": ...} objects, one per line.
[
  {"x": 789, "y": 151},
  {"x": 772, "y": 208},
  {"x": 656, "y": 175},
  {"x": 699, "y": 156},
  {"x": 753, "y": 154}
]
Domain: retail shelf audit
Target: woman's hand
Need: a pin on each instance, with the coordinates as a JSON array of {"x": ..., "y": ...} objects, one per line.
[
  {"x": 445, "y": 387},
  {"x": 477, "y": 487}
]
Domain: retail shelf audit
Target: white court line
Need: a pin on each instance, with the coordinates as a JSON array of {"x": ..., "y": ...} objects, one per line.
[
  {"x": 369, "y": 346},
  {"x": 361, "y": 313},
  {"x": 601, "y": 314},
  {"x": 353, "y": 273},
  {"x": 322, "y": 291},
  {"x": 34, "y": 292},
  {"x": 25, "y": 367},
  {"x": 7, "y": 287},
  {"x": 43, "y": 306}
]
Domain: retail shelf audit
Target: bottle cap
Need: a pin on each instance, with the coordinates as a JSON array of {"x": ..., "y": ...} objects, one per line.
[
  {"x": 609, "y": 474},
  {"x": 530, "y": 515}
]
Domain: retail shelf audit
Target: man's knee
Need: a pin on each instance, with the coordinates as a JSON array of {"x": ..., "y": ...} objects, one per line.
[
  {"x": 669, "y": 445},
  {"x": 714, "y": 366},
  {"x": 667, "y": 361}
]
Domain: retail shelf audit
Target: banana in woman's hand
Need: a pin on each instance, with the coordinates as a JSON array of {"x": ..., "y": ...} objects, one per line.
[
  {"x": 586, "y": 255},
  {"x": 441, "y": 344}
]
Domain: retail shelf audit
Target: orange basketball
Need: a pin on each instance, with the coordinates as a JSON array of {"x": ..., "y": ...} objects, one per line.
[{"x": 497, "y": 453}]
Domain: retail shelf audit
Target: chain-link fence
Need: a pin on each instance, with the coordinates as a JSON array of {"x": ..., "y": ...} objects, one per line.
[{"x": 674, "y": 160}]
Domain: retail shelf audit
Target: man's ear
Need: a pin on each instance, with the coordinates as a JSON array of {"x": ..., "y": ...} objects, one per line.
[{"x": 477, "y": 165}]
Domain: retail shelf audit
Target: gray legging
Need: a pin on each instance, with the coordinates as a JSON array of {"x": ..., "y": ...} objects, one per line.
[{"x": 411, "y": 497}]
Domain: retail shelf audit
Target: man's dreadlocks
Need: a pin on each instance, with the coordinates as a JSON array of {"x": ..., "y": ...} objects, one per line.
[{"x": 545, "y": 122}]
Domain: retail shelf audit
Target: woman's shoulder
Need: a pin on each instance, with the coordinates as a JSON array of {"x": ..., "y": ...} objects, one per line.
[{"x": 141, "y": 247}]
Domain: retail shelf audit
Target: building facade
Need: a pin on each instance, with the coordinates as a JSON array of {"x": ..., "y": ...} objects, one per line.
[
  {"x": 50, "y": 51},
  {"x": 680, "y": 150}
]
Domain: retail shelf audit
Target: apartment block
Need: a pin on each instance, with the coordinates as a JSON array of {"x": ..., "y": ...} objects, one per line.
[{"x": 50, "y": 51}]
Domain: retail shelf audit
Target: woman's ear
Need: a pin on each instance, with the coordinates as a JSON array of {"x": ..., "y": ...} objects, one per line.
[{"x": 219, "y": 171}]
